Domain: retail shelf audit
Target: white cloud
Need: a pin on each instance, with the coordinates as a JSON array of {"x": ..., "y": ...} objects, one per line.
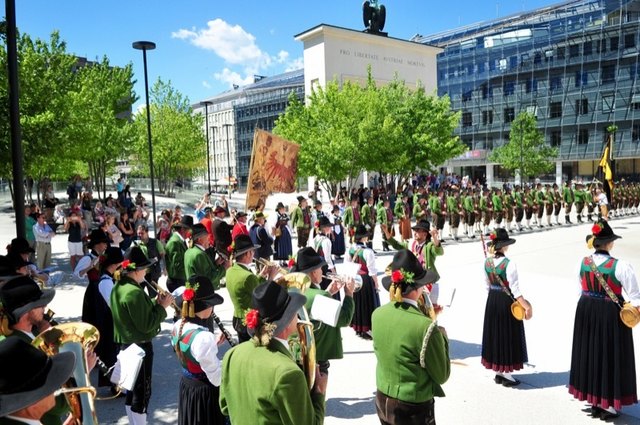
[
  {"x": 206, "y": 84},
  {"x": 231, "y": 77},
  {"x": 297, "y": 63},
  {"x": 282, "y": 56}
]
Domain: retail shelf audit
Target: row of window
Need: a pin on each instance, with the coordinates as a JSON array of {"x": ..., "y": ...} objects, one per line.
[{"x": 555, "y": 110}]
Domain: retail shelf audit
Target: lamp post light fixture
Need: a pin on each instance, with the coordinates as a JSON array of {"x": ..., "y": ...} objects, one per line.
[
  {"x": 228, "y": 158},
  {"x": 206, "y": 119},
  {"x": 144, "y": 46},
  {"x": 215, "y": 169}
]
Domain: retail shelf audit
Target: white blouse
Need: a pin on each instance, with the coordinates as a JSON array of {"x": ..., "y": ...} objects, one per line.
[
  {"x": 204, "y": 350},
  {"x": 624, "y": 273}
]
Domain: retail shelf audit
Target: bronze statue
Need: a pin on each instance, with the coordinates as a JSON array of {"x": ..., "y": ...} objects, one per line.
[{"x": 374, "y": 15}]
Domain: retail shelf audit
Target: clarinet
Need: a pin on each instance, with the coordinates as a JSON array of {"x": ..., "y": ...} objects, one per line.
[{"x": 224, "y": 331}]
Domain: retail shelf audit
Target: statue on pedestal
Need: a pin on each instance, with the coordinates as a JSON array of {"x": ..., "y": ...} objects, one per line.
[{"x": 374, "y": 15}]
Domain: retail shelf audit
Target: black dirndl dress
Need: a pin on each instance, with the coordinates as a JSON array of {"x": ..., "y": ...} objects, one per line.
[
  {"x": 366, "y": 300},
  {"x": 504, "y": 346},
  {"x": 282, "y": 246},
  {"x": 198, "y": 402},
  {"x": 603, "y": 369},
  {"x": 338, "y": 245}
]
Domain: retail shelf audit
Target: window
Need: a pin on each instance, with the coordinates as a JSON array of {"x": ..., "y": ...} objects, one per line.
[
  {"x": 489, "y": 143},
  {"x": 608, "y": 103},
  {"x": 582, "y": 106},
  {"x": 608, "y": 74},
  {"x": 537, "y": 58},
  {"x": 468, "y": 142},
  {"x": 487, "y": 91},
  {"x": 581, "y": 78},
  {"x": 555, "y": 83},
  {"x": 513, "y": 62},
  {"x": 533, "y": 110},
  {"x": 629, "y": 41},
  {"x": 556, "y": 138},
  {"x": 508, "y": 88},
  {"x": 555, "y": 109},
  {"x": 467, "y": 119},
  {"x": 487, "y": 117},
  {"x": 587, "y": 48},
  {"x": 466, "y": 95},
  {"x": 613, "y": 43},
  {"x": 574, "y": 50},
  {"x": 583, "y": 136},
  {"x": 635, "y": 133},
  {"x": 601, "y": 46},
  {"x": 509, "y": 115},
  {"x": 531, "y": 85},
  {"x": 635, "y": 106},
  {"x": 560, "y": 52}
]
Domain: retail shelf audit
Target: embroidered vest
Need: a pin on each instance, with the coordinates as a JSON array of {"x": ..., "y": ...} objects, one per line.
[
  {"x": 501, "y": 270},
  {"x": 589, "y": 281},
  {"x": 188, "y": 363},
  {"x": 357, "y": 256}
]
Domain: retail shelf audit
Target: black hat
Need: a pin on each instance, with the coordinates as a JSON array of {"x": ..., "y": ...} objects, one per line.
[
  {"x": 500, "y": 238},
  {"x": 198, "y": 230},
  {"x": 601, "y": 233},
  {"x": 7, "y": 269},
  {"x": 324, "y": 222},
  {"x": 241, "y": 214},
  {"x": 186, "y": 222},
  {"x": 361, "y": 232},
  {"x": 318, "y": 202},
  {"x": 405, "y": 261},
  {"x": 16, "y": 260},
  {"x": 113, "y": 255},
  {"x": 279, "y": 206},
  {"x": 276, "y": 305},
  {"x": 307, "y": 260},
  {"x": 422, "y": 225},
  {"x": 20, "y": 245},
  {"x": 22, "y": 294},
  {"x": 242, "y": 244},
  {"x": 37, "y": 377},
  {"x": 259, "y": 214},
  {"x": 301, "y": 198},
  {"x": 135, "y": 259},
  {"x": 204, "y": 294},
  {"x": 98, "y": 236}
]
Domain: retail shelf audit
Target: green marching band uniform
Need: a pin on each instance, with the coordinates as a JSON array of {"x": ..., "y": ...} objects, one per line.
[{"x": 411, "y": 350}]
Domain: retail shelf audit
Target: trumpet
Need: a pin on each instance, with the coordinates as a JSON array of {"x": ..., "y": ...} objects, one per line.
[
  {"x": 266, "y": 263},
  {"x": 161, "y": 291},
  {"x": 357, "y": 279}
]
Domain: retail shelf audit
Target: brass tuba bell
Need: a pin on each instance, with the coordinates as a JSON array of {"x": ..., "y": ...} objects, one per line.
[{"x": 75, "y": 337}]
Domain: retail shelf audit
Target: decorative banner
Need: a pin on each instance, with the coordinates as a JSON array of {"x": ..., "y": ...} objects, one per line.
[{"x": 273, "y": 168}]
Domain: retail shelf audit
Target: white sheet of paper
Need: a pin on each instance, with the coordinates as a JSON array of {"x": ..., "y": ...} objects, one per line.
[
  {"x": 326, "y": 310},
  {"x": 125, "y": 371}
]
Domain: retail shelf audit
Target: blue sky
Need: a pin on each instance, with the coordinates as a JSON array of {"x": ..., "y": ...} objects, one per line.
[{"x": 204, "y": 47}]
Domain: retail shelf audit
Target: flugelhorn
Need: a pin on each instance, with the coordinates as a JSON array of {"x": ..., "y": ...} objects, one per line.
[
  {"x": 357, "y": 279},
  {"x": 77, "y": 338},
  {"x": 161, "y": 291},
  {"x": 266, "y": 263}
]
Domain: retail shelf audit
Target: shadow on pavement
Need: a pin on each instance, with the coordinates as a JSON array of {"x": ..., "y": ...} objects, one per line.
[
  {"x": 350, "y": 408},
  {"x": 463, "y": 350},
  {"x": 542, "y": 380}
]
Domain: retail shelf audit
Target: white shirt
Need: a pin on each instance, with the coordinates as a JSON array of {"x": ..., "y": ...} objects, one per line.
[
  {"x": 601, "y": 199},
  {"x": 625, "y": 275},
  {"x": 511, "y": 273},
  {"x": 104, "y": 287},
  {"x": 410, "y": 301},
  {"x": 83, "y": 264},
  {"x": 43, "y": 233},
  {"x": 369, "y": 258},
  {"x": 204, "y": 350},
  {"x": 324, "y": 242}
]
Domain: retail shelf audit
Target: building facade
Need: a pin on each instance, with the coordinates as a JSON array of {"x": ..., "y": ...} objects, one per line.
[
  {"x": 574, "y": 65},
  {"x": 235, "y": 114}
]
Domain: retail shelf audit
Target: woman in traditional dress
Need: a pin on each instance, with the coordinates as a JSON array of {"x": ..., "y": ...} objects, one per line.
[
  {"x": 282, "y": 243},
  {"x": 603, "y": 369},
  {"x": 402, "y": 211},
  {"x": 197, "y": 351},
  {"x": 504, "y": 347},
  {"x": 338, "y": 247},
  {"x": 366, "y": 299}
]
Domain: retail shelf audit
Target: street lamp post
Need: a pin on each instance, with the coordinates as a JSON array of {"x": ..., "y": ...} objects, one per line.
[
  {"x": 228, "y": 158},
  {"x": 206, "y": 119},
  {"x": 144, "y": 46},
  {"x": 215, "y": 171}
]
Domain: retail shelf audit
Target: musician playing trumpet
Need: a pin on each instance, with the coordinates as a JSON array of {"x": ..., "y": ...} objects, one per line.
[
  {"x": 136, "y": 320},
  {"x": 328, "y": 338},
  {"x": 366, "y": 299},
  {"x": 241, "y": 281}
]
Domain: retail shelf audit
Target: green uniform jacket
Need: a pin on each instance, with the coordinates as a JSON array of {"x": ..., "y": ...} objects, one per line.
[
  {"x": 241, "y": 283},
  {"x": 367, "y": 214},
  {"x": 174, "y": 257},
  {"x": 349, "y": 218},
  {"x": 517, "y": 199},
  {"x": 529, "y": 198},
  {"x": 399, "y": 331},
  {"x": 136, "y": 317},
  {"x": 429, "y": 252},
  {"x": 568, "y": 195},
  {"x": 548, "y": 196},
  {"x": 198, "y": 262},
  {"x": 434, "y": 205},
  {"x": 265, "y": 386},
  {"x": 419, "y": 213},
  {"x": 467, "y": 203},
  {"x": 297, "y": 220},
  {"x": 329, "y": 338},
  {"x": 398, "y": 210},
  {"x": 497, "y": 203},
  {"x": 382, "y": 215},
  {"x": 507, "y": 200},
  {"x": 453, "y": 205}
]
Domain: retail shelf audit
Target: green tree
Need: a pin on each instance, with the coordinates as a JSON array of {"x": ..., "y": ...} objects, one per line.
[
  {"x": 46, "y": 78},
  {"x": 100, "y": 126},
  {"x": 526, "y": 150},
  {"x": 179, "y": 144}
]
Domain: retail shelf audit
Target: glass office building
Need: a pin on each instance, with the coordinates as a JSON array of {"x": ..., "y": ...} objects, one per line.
[{"x": 574, "y": 65}]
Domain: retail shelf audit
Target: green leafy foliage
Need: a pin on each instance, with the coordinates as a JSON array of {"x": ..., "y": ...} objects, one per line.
[{"x": 526, "y": 150}]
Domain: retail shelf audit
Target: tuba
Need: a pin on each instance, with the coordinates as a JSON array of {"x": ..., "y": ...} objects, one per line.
[
  {"x": 304, "y": 345},
  {"x": 76, "y": 338}
]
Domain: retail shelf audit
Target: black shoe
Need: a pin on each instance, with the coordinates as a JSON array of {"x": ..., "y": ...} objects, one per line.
[
  {"x": 605, "y": 415},
  {"x": 509, "y": 383}
]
